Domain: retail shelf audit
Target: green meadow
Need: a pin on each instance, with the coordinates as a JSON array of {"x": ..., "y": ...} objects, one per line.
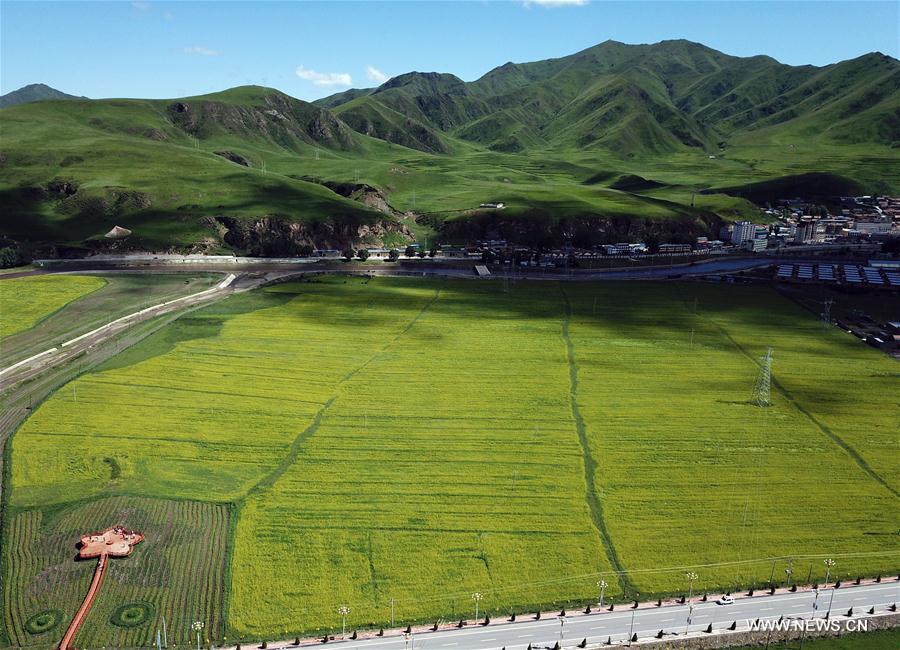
[{"x": 413, "y": 441}]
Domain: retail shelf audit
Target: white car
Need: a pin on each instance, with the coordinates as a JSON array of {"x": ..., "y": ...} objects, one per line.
[{"x": 727, "y": 599}]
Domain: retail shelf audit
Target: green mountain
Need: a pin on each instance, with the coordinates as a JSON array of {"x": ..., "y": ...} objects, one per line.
[
  {"x": 646, "y": 99},
  {"x": 33, "y": 93},
  {"x": 612, "y": 143}
]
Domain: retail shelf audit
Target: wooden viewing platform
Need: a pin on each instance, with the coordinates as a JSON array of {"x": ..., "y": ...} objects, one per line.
[{"x": 112, "y": 542}]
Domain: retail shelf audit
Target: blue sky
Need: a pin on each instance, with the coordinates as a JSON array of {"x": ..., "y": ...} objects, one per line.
[{"x": 311, "y": 49}]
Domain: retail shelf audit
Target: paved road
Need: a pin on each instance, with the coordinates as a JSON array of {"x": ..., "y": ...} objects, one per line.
[
  {"x": 714, "y": 266},
  {"x": 647, "y": 621}
]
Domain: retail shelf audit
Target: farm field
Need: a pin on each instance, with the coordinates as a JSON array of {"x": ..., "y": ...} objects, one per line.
[
  {"x": 112, "y": 295},
  {"x": 416, "y": 441},
  {"x": 178, "y": 571},
  {"x": 25, "y": 301}
]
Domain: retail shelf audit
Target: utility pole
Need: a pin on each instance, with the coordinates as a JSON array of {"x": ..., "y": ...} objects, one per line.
[
  {"x": 687, "y": 624},
  {"x": 691, "y": 576},
  {"x": 165, "y": 636},
  {"x": 631, "y": 629},
  {"x": 829, "y": 563},
  {"x": 197, "y": 626},
  {"x": 392, "y": 612}
]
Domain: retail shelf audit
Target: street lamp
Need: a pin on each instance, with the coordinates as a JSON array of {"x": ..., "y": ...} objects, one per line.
[
  {"x": 406, "y": 638},
  {"x": 477, "y": 596},
  {"x": 197, "y": 626},
  {"x": 691, "y": 576},
  {"x": 602, "y": 585},
  {"x": 789, "y": 572},
  {"x": 562, "y": 623},
  {"x": 829, "y": 564},
  {"x": 687, "y": 624},
  {"x": 343, "y": 610}
]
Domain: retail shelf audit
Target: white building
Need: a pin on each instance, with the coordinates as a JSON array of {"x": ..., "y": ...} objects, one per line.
[{"x": 743, "y": 232}]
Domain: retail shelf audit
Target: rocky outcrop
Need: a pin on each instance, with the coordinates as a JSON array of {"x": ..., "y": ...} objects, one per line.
[
  {"x": 233, "y": 157},
  {"x": 582, "y": 231},
  {"x": 284, "y": 237},
  {"x": 368, "y": 195}
]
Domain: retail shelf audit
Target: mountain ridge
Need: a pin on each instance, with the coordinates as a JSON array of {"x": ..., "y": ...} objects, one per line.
[
  {"x": 33, "y": 93},
  {"x": 616, "y": 142}
]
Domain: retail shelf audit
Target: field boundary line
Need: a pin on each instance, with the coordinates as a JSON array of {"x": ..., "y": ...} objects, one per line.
[
  {"x": 821, "y": 426},
  {"x": 590, "y": 464}
]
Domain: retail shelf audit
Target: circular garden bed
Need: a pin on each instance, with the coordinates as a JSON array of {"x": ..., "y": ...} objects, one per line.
[
  {"x": 43, "y": 621},
  {"x": 132, "y": 614}
]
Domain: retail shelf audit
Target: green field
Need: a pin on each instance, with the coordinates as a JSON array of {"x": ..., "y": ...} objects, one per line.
[
  {"x": 415, "y": 441},
  {"x": 106, "y": 298},
  {"x": 26, "y": 301}
]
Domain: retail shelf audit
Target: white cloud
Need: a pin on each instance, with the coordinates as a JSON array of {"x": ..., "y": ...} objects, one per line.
[
  {"x": 141, "y": 5},
  {"x": 201, "y": 51},
  {"x": 324, "y": 78},
  {"x": 376, "y": 75},
  {"x": 556, "y": 3}
]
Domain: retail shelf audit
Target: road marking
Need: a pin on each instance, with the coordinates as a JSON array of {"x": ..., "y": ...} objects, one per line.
[
  {"x": 666, "y": 620},
  {"x": 525, "y": 636},
  {"x": 766, "y": 609}
]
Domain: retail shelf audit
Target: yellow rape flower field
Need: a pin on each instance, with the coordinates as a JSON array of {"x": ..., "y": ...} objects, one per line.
[{"x": 357, "y": 442}]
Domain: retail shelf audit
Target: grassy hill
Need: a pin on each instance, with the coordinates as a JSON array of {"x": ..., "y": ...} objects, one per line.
[{"x": 255, "y": 166}]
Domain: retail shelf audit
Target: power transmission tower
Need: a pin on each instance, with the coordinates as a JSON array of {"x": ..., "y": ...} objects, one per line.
[
  {"x": 762, "y": 391},
  {"x": 317, "y": 153},
  {"x": 826, "y": 311}
]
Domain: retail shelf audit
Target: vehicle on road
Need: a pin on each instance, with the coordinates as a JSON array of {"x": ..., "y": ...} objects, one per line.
[{"x": 727, "y": 599}]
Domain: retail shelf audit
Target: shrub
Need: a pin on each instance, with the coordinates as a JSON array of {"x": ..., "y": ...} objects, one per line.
[
  {"x": 43, "y": 621},
  {"x": 363, "y": 254},
  {"x": 348, "y": 254}
]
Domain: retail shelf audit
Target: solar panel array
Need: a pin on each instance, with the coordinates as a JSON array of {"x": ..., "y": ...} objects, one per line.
[
  {"x": 873, "y": 275},
  {"x": 849, "y": 273}
]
